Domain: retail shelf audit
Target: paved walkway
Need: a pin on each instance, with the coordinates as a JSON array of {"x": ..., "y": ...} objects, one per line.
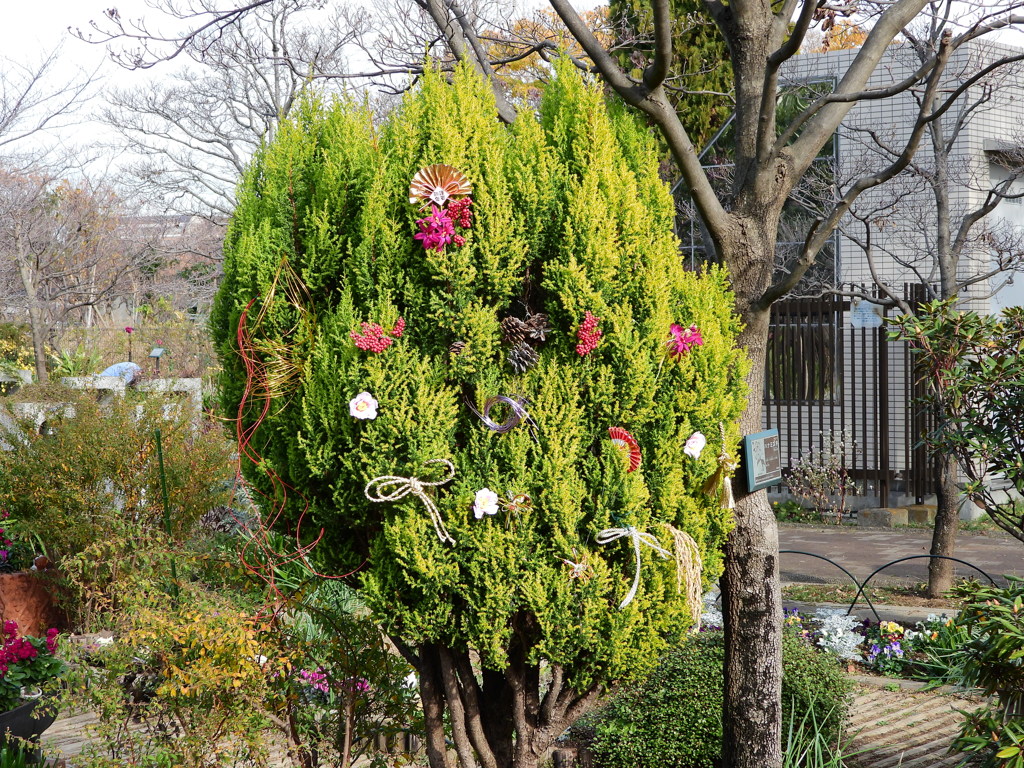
[
  {"x": 862, "y": 550},
  {"x": 71, "y": 734},
  {"x": 903, "y": 729}
]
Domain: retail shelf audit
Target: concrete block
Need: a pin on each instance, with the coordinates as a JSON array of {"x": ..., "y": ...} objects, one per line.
[
  {"x": 921, "y": 514},
  {"x": 883, "y": 517}
]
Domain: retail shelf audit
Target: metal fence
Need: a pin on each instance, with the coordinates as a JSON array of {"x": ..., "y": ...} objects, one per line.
[{"x": 831, "y": 368}]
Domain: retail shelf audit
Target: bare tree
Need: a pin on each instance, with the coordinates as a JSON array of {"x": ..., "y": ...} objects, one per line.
[
  {"x": 67, "y": 245},
  {"x": 195, "y": 131},
  {"x": 33, "y": 100},
  {"x": 945, "y": 240}
]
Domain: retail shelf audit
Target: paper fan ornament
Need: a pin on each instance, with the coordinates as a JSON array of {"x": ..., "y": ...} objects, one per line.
[
  {"x": 626, "y": 443},
  {"x": 437, "y": 184}
]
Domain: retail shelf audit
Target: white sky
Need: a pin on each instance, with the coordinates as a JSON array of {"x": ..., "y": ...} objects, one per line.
[{"x": 31, "y": 30}]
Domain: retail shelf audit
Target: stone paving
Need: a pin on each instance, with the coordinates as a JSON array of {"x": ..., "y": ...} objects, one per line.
[{"x": 904, "y": 728}]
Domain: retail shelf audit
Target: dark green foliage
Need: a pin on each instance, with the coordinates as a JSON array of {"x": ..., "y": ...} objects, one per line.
[
  {"x": 973, "y": 371},
  {"x": 701, "y": 65},
  {"x": 569, "y": 217},
  {"x": 673, "y": 719},
  {"x": 992, "y": 660}
]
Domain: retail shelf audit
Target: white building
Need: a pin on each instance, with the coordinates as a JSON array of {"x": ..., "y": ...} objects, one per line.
[{"x": 831, "y": 367}]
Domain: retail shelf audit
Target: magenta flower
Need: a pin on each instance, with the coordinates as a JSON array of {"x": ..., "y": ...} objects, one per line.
[
  {"x": 683, "y": 339},
  {"x": 436, "y": 230},
  {"x": 128, "y": 329},
  {"x": 317, "y": 680}
]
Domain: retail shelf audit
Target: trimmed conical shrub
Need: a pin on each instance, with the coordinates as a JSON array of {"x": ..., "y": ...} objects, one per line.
[{"x": 364, "y": 354}]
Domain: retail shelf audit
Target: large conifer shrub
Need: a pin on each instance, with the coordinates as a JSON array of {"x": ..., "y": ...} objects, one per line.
[{"x": 570, "y": 221}]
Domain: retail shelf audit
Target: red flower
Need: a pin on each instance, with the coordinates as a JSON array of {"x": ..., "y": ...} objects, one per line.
[{"x": 374, "y": 339}]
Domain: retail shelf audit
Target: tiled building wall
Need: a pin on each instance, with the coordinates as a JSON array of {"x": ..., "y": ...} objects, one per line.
[{"x": 902, "y": 213}]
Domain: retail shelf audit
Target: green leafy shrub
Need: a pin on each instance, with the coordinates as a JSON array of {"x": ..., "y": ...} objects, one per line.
[
  {"x": 790, "y": 511},
  {"x": 195, "y": 675},
  {"x": 79, "y": 362},
  {"x": 570, "y": 222},
  {"x": 673, "y": 719},
  {"x": 992, "y": 660},
  {"x": 93, "y": 473},
  {"x": 971, "y": 366}
]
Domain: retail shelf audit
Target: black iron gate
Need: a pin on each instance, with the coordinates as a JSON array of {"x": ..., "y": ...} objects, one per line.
[{"x": 831, "y": 368}]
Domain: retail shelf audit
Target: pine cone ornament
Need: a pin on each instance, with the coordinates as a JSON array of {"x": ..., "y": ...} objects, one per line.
[
  {"x": 537, "y": 327},
  {"x": 514, "y": 331},
  {"x": 522, "y": 357},
  {"x": 456, "y": 348}
]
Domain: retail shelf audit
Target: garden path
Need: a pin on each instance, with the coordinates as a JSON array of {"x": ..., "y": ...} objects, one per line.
[
  {"x": 861, "y": 550},
  {"x": 70, "y": 735},
  {"x": 905, "y": 728}
]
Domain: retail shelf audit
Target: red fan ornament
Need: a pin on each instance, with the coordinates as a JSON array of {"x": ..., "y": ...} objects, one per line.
[
  {"x": 437, "y": 184},
  {"x": 626, "y": 443}
]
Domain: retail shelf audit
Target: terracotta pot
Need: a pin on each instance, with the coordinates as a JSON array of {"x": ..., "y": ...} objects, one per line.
[{"x": 27, "y": 599}]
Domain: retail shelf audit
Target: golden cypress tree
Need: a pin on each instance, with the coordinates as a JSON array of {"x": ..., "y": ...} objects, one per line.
[{"x": 365, "y": 355}]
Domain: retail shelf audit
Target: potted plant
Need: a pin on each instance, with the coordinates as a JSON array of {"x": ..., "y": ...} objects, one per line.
[{"x": 26, "y": 665}]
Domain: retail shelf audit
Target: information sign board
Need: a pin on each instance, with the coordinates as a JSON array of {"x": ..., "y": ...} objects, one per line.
[{"x": 762, "y": 459}]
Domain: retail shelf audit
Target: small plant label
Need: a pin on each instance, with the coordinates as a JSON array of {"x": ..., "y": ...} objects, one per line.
[{"x": 762, "y": 459}]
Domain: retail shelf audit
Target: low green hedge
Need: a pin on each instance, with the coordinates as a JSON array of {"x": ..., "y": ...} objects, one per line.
[{"x": 673, "y": 719}]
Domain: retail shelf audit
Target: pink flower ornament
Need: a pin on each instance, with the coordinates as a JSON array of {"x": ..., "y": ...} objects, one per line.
[
  {"x": 436, "y": 230},
  {"x": 694, "y": 445},
  {"x": 363, "y": 406},
  {"x": 485, "y": 503},
  {"x": 683, "y": 339}
]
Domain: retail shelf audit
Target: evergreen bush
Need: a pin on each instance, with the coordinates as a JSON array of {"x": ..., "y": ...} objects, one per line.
[
  {"x": 673, "y": 719},
  {"x": 92, "y": 474},
  {"x": 329, "y": 304}
]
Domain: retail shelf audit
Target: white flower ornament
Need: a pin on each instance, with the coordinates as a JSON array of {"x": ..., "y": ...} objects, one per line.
[
  {"x": 363, "y": 406},
  {"x": 485, "y": 503},
  {"x": 695, "y": 445}
]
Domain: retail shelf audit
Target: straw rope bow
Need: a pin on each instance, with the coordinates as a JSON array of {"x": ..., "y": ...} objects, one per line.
[
  {"x": 376, "y": 490},
  {"x": 609, "y": 535}
]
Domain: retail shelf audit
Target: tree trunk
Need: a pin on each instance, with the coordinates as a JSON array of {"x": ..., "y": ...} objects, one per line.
[
  {"x": 35, "y": 312},
  {"x": 496, "y": 719},
  {"x": 940, "y": 572},
  {"x": 752, "y": 601},
  {"x": 432, "y": 699}
]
